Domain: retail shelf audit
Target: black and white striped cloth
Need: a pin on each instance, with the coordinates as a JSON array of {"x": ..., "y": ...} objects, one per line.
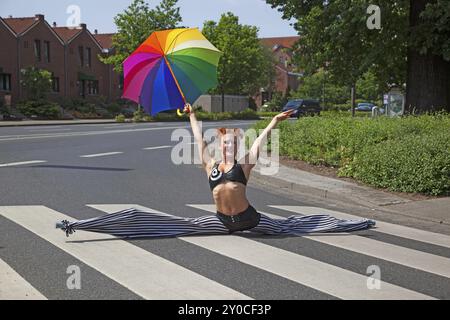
[{"x": 135, "y": 223}]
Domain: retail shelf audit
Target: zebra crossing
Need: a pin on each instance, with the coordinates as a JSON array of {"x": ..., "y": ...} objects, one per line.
[{"x": 244, "y": 266}]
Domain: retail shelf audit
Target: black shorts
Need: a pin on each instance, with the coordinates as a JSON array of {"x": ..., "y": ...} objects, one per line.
[{"x": 245, "y": 220}]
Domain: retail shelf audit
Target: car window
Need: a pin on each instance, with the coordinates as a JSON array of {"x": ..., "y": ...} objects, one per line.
[{"x": 292, "y": 104}]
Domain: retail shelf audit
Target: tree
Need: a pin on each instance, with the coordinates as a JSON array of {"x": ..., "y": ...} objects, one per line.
[
  {"x": 136, "y": 24},
  {"x": 317, "y": 86},
  {"x": 412, "y": 45},
  {"x": 244, "y": 66},
  {"x": 428, "y": 83},
  {"x": 36, "y": 82}
]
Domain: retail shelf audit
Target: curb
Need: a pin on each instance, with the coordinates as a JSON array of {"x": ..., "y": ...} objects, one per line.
[{"x": 27, "y": 124}]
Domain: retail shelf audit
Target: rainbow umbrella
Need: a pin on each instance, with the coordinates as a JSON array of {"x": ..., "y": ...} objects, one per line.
[{"x": 170, "y": 68}]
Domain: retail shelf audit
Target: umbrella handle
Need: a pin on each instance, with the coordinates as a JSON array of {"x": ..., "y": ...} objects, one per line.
[{"x": 179, "y": 113}]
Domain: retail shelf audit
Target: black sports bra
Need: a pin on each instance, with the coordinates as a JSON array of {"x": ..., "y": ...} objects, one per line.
[{"x": 235, "y": 174}]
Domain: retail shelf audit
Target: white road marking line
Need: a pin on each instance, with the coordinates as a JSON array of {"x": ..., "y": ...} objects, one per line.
[
  {"x": 42, "y": 128},
  {"x": 142, "y": 272},
  {"x": 13, "y": 164},
  {"x": 14, "y": 287},
  {"x": 408, "y": 257},
  {"x": 156, "y": 148},
  {"x": 90, "y": 133},
  {"x": 100, "y": 155},
  {"x": 383, "y": 227},
  {"x": 38, "y": 130},
  {"x": 321, "y": 276}
]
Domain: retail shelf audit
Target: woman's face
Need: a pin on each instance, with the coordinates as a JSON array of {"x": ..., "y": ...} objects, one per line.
[{"x": 229, "y": 147}]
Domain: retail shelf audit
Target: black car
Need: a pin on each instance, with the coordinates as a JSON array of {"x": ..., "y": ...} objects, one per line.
[
  {"x": 13, "y": 117},
  {"x": 303, "y": 107}
]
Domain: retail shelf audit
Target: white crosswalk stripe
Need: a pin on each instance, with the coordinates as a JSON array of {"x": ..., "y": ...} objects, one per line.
[
  {"x": 153, "y": 277},
  {"x": 14, "y": 287},
  {"x": 289, "y": 265},
  {"x": 397, "y": 230},
  {"x": 144, "y": 273},
  {"x": 389, "y": 252}
]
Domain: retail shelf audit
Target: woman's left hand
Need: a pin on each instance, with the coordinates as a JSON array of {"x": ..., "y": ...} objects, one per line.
[{"x": 284, "y": 115}]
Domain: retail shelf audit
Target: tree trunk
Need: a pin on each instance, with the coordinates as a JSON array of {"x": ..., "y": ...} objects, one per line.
[
  {"x": 428, "y": 79},
  {"x": 353, "y": 99},
  {"x": 223, "y": 101}
]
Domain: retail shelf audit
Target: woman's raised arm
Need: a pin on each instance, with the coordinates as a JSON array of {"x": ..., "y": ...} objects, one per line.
[
  {"x": 205, "y": 157},
  {"x": 253, "y": 154}
]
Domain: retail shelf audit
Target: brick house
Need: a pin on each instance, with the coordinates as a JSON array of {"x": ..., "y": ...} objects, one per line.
[
  {"x": 86, "y": 76},
  {"x": 115, "y": 80},
  {"x": 8, "y": 62},
  {"x": 36, "y": 45},
  {"x": 286, "y": 78},
  {"x": 70, "y": 54}
]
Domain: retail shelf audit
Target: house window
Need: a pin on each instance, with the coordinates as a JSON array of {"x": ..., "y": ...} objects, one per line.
[
  {"x": 47, "y": 51},
  {"x": 37, "y": 50},
  {"x": 92, "y": 87},
  {"x": 81, "y": 55},
  {"x": 88, "y": 57},
  {"x": 121, "y": 81},
  {"x": 55, "y": 84},
  {"x": 5, "y": 82}
]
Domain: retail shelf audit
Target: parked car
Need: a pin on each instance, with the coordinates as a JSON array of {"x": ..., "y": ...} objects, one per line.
[
  {"x": 365, "y": 106},
  {"x": 303, "y": 107},
  {"x": 13, "y": 117},
  {"x": 128, "y": 112}
]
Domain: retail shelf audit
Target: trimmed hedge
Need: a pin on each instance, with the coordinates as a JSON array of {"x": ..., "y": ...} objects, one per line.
[
  {"x": 40, "y": 108},
  {"x": 247, "y": 114},
  {"x": 409, "y": 154}
]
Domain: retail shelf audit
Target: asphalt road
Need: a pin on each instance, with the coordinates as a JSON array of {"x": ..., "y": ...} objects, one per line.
[{"x": 54, "y": 170}]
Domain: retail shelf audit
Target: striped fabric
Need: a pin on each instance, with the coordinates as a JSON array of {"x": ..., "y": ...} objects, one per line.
[{"x": 135, "y": 223}]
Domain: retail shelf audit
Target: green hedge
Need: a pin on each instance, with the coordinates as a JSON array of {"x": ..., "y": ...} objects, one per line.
[
  {"x": 411, "y": 164},
  {"x": 40, "y": 108},
  {"x": 247, "y": 114},
  {"x": 410, "y": 154}
]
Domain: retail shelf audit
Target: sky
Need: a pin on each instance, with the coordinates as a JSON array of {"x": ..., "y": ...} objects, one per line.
[{"x": 99, "y": 14}]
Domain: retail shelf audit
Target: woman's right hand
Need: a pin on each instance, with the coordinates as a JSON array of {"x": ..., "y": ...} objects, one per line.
[{"x": 188, "y": 109}]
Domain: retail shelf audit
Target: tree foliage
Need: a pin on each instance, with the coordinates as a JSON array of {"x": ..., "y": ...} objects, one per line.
[
  {"x": 245, "y": 65},
  {"x": 37, "y": 82},
  {"x": 136, "y": 24},
  {"x": 336, "y": 32}
]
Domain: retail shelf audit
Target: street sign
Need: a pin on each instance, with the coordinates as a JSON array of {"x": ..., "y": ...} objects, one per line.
[{"x": 396, "y": 103}]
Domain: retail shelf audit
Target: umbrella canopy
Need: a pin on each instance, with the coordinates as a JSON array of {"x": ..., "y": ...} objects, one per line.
[
  {"x": 136, "y": 223},
  {"x": 170, "y": 68}
]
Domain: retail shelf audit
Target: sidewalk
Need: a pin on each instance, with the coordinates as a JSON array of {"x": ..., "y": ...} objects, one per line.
[
  {"x": 53, "y": 122},
  {"x": 335, "y": 192}
]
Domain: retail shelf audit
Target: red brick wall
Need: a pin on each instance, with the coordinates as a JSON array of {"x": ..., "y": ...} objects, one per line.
[
  {"x": 27, "y": 55},
  {"x": 97, "y": 69},
  {"x": 8, "y": 60}
]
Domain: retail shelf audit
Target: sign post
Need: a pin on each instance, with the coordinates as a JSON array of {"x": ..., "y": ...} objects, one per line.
[{"x": 395, "y": 105}]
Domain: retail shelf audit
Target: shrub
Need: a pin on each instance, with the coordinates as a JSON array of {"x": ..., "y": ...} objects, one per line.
[
  {"x": 410, "y": 164},
  {"x": 120, "y": 118},
  {"x": 138, "y": 115},
  {"x": 404, "y": 154},
  {"x": 40, "y": 108},
  {"x": 3, "y": 108}
]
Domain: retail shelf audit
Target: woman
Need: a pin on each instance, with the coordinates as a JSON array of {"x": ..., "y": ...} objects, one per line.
[{"x": 227, "y": 179}]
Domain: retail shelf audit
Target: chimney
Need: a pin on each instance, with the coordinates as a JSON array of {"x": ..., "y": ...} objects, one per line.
[
  {"x": 83, "y": 26},
  {"x": 95, "y": 31},
  {"x": 40, "y": 17},
  {"x": 54, "y": 24}
]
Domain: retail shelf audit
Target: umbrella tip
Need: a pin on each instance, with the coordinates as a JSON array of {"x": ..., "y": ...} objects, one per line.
[{"x": 65, "y": 226}]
